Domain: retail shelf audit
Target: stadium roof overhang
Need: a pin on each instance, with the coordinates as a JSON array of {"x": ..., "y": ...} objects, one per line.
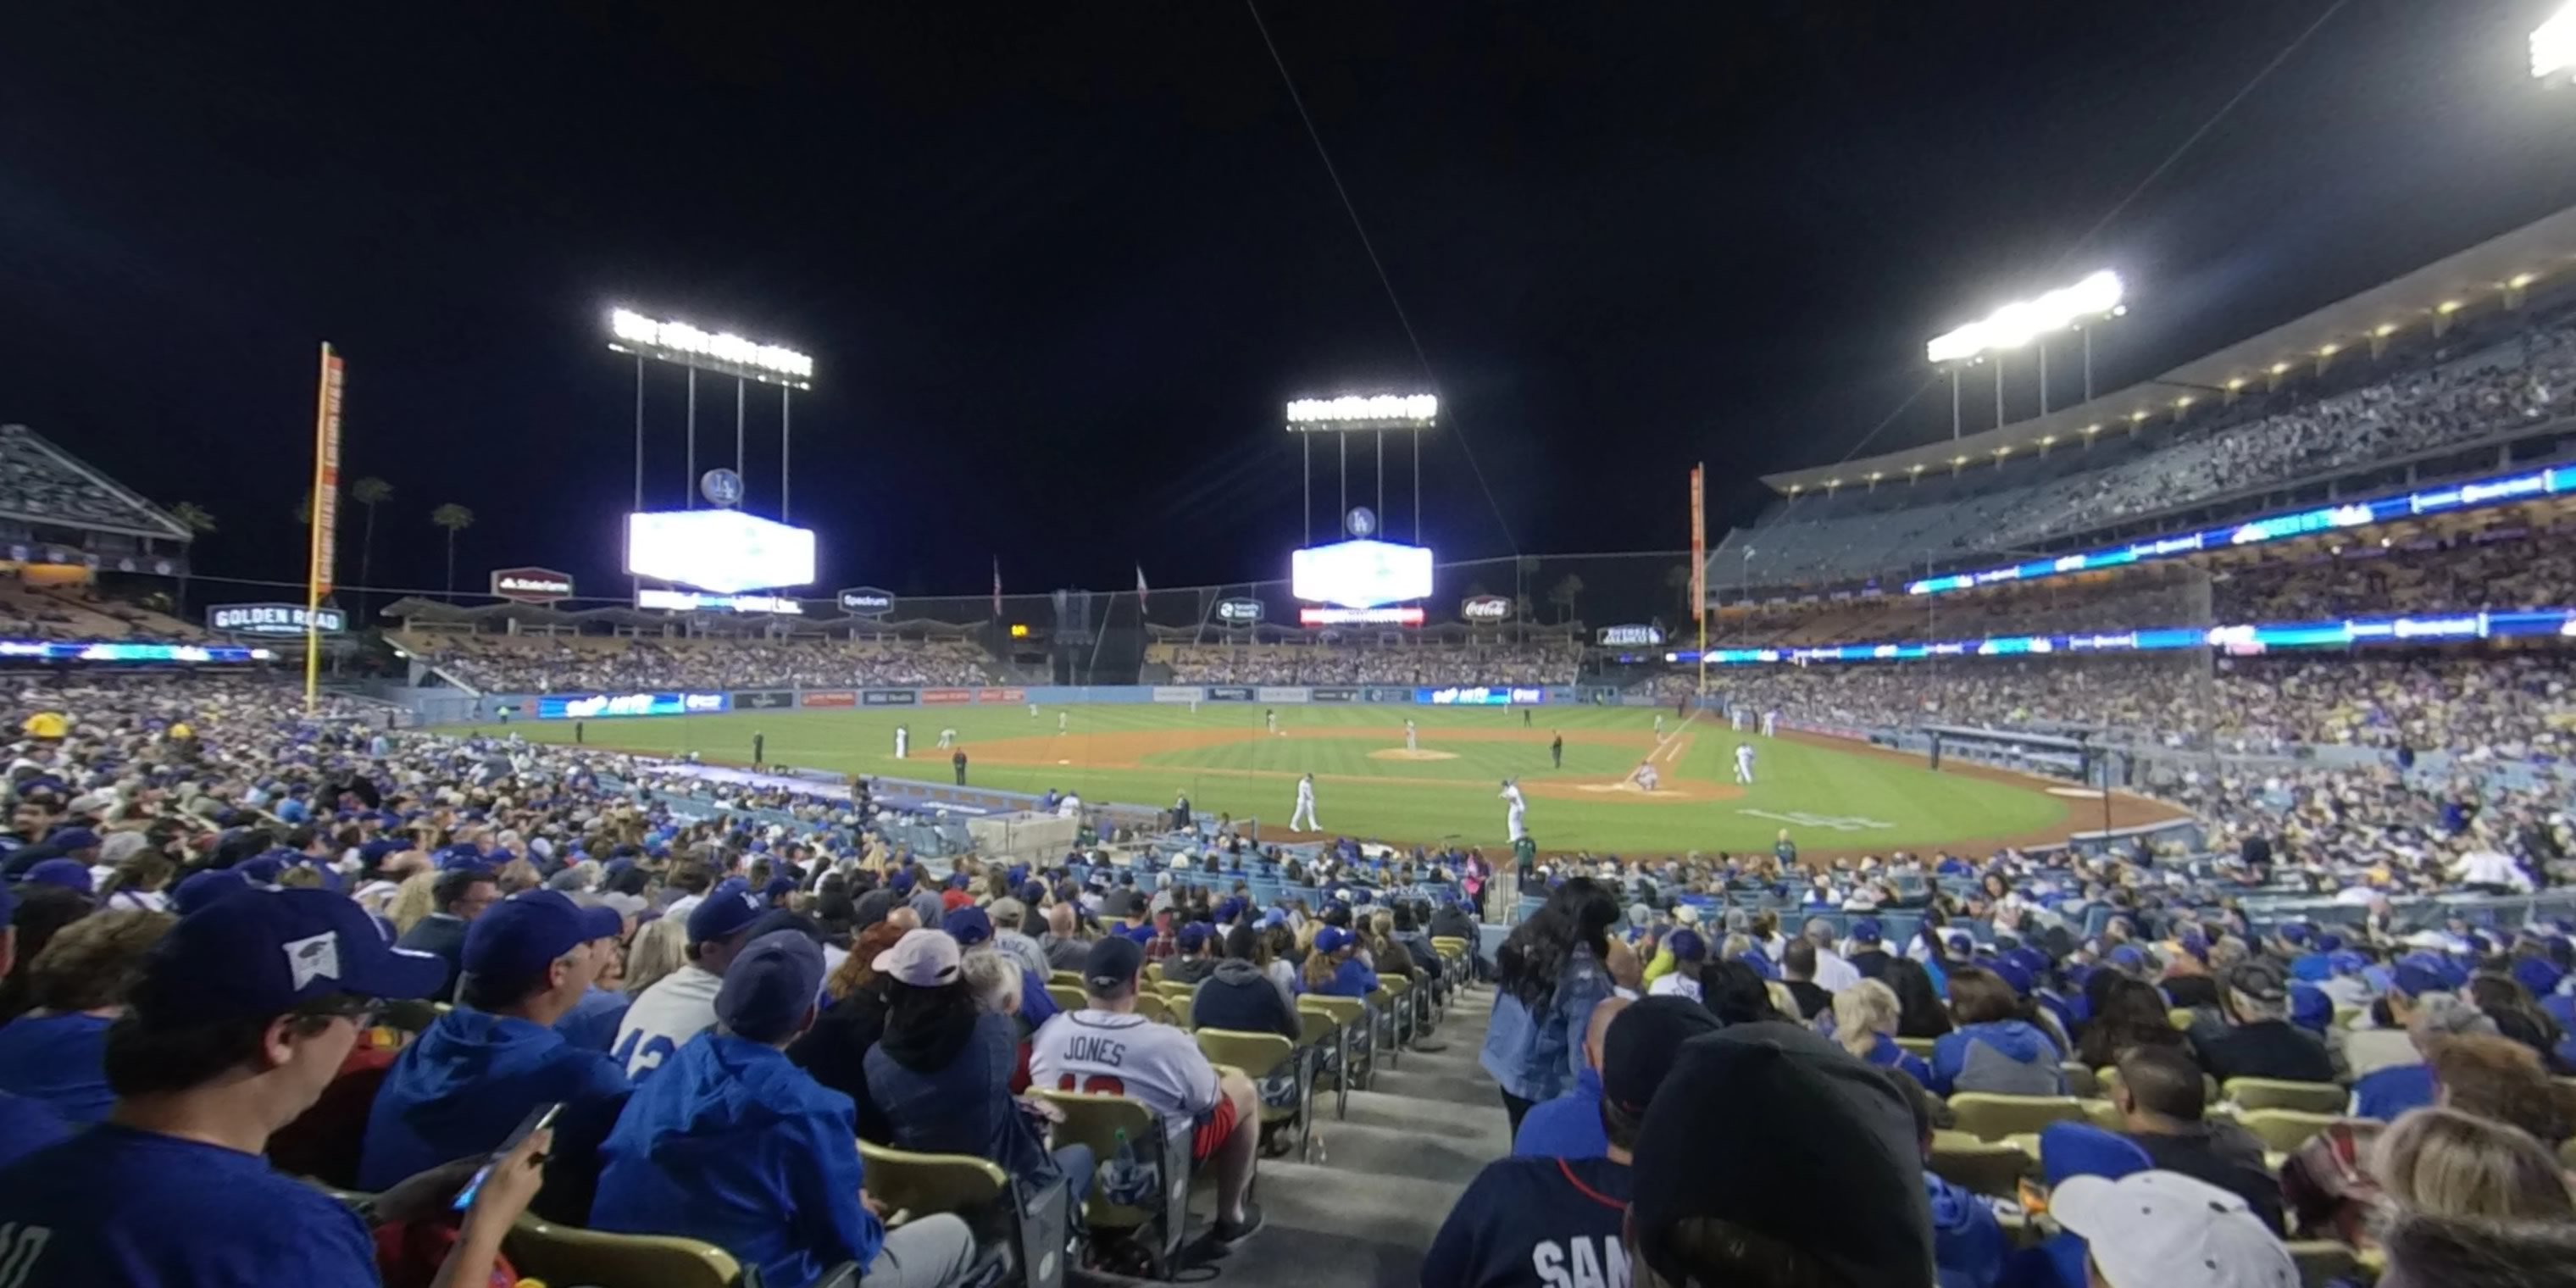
[{"x": 2491, "y": 275}]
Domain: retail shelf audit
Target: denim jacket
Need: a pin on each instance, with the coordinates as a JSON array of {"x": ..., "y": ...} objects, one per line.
[{"x": 1536, "y": 1054}]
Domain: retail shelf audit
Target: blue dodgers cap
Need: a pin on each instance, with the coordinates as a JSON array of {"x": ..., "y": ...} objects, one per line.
[
  {"x": 1194, "y": 936},
  {"x": 205, "y": 888},
  {"x": 1332, "y": 939},
  {"x": 2310, "y": 1008},
  {"x": 462, "y": 858},
  {"x": 2346, "y": 962},
  {"x": 2128, "y": 958},
  {"x": 73, "y": 838},
  {"x": 2418, "y": 974},
  {"x": 514, "y": 940},
  {"x": 771, "y": 987},
  {"x": 2293, "y": 932},
  {"x": 2013, "y": 973},
  {"x": 69, "y": 874},
  {"x": 1867, "y": 931},
  {"x": 777, "y": 887},
  {"x": 902, "y": 881},
  {"x": 263, "y": 952},
  {"x": 727, "y": 910},
  {"x": 1687, "y": 946},
  {"x": 968, "y": 926}
]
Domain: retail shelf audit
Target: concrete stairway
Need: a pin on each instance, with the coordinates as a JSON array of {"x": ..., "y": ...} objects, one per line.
[{"x": 1389, "y": 1173}]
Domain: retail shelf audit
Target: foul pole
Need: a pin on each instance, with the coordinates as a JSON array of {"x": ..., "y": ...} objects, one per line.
[
  {"x": 325, "y": 512},
  {"x": 1699, "y": 567}
]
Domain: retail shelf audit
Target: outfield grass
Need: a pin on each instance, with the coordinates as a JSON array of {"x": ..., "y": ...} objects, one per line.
[{"x": 1144, "y": 754}]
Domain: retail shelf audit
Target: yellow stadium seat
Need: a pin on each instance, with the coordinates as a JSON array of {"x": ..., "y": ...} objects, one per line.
[
  {"x": 563, "y": 1254},
  {"x": 1067, "y": 997},
  {"x": 1153, "y": 972},
  {"x": 2102, "y": 1114},
  {"x": 2080, "y": 1082},
  {"x": 1354, "y": 1062},
  {"x": 2283, "y": 1131},
  {"x": 1099, "y": 1121},
  {"x": 1068, "y": 978},
  {"x": 1982, "y": 1167},
  {"x": 2272, "y": 1093},
  {"x": 1919, "y": 1048},
  {"x": 1992, "y": 1118},
  {"x": 2179, "y": 1017},
  {"x": 1263, "y": 1055},
  {"x": 921, "y": 1184},
  {"x": 1152, "y": 1006}
]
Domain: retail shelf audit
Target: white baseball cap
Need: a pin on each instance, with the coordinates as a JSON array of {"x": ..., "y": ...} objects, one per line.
[{"x": 2154, "y": 1228}]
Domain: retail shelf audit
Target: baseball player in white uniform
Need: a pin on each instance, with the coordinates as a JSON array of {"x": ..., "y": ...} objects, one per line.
[
  {"x": 1771, "y": 724},
  {"x": 1270, "y": 721},
  {"x": 1305, "y": 807},
  {"x": 1515, "y": 811},
  {"x": 902, "y": 741},
  {"x": 1659, "y": 724},
  {"x": 1744, "y": 763},
  {"x": 947, "y": 739},
  {"x": 1409, "y": 743},
  {"x": 1033, "y": 711},
  {"x": 1735, "y": 719},
  {"x": 1060, "y": 718}
]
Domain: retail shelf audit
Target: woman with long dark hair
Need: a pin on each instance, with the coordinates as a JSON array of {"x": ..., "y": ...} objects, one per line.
[
  {"x": 1551, "y": 972},
  {"x": 2131, "y": 1014},
  {"x": 942, "y": 1072}
]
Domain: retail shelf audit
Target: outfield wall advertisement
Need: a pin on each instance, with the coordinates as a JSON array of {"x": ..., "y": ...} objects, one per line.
[
  {"x": 1178, "y": 693},
  {"x": 586, "y": 706},
  {"x": 592, "y": 706},
  {"x": 1282, "y": 694}
]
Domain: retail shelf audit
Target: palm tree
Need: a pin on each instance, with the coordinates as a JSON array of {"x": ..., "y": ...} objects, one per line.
[
  {"x": 369, "y": 492},
  {"x": 199, "y": 523},
  {"x": 455, "y": 518},
  {"x": 1568, "y": 588}
]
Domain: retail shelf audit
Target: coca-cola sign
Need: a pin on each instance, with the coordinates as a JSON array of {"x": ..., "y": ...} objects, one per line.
[{"x": 1486, "y": 608}]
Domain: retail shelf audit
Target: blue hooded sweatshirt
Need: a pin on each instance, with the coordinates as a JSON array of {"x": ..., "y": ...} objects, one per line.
[
  {"x": 733, "y": 1144},
  {"x": 462, "y": 1088},
  {"x": 1968, "y": 1245},
  {"x": 2004, "y": 1057},
  {"x": 1568, "y": 1126}
]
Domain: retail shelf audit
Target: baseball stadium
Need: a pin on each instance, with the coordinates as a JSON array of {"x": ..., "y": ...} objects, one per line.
[{"x": 2109, "y": 823}]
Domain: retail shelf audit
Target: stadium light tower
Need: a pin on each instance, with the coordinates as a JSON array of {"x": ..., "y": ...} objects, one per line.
[
  {"x": 1362, "y": 413},
  {"x": 721, "y": 353},
  {"x": 2099, "y": 295},
  {"x": 2553, "y": 45}
]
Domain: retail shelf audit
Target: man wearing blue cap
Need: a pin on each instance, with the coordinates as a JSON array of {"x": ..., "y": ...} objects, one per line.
[
  {"x": 735, "y": 1145},
  {"x": 477, "y": 1070},
  {"x": 26, "y": 1125},
  {"x": 243, "y": 1014},
  {"x": 459, "y": 893},
  {"x": 681, "y": 1005}
]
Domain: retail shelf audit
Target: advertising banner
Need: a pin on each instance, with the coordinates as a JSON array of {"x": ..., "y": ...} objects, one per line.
[
  {"x": 1335, "y": 695},
  {"x": 1178, "y": 693},
  {"x": 1377, "y": 693},
  {"x": 1481, "y": 609},
  {"x": 866, "y": 601},
  {"x": 1633, "y": 635},
  {"x": 1699, "y": 540},
  {"x": 1001, "y": 695},
  {"x": 531, "y": 585},
  {"x": 1479, "y": 696},
  {"x": 765, "y": 700},
  {"x": 1239, "y": 612},
  {"x": 273, "y": 619},
  {"x": 828, "y": 698},
  {"x": 1229, "y": 693},
  {"x": 888, "y": 698},
  {"x": 946, "y": 697},
  {"x": 1281, "y": 694},
  {"x": 594, "y": 706}
]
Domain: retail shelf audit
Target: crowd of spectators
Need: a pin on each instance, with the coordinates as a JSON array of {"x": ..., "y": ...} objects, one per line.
[
  {"x": 1526, "y": 662},
  {"x": 617, "y": 664},
  {"x": 1859, "y": 533}
]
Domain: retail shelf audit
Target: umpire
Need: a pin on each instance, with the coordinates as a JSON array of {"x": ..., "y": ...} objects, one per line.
[{"x": 958, "y": 761}]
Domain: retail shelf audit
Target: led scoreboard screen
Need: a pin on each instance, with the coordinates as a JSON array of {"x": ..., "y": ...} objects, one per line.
[{"x": 725, "y": 551}]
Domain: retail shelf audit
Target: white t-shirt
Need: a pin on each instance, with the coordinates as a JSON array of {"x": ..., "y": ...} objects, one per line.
[
  {"x": 678, "y": 1007},
  {"x": 1833, "y": 974},
  {"x": 1675, "y": 984},
  {"x": 1106, "y": 1053}
]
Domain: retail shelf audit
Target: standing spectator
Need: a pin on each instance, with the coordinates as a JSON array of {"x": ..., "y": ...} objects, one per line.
[
  {"x": 1550, "y": 973},
  {"x": 733, "y": 1144}
]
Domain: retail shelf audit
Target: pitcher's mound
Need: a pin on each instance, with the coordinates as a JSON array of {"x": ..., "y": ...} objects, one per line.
[
  {"x": 1628, "y": 785},
  {"x": 1673, "y": 791},
  {"x": 1399, "y": 753}
]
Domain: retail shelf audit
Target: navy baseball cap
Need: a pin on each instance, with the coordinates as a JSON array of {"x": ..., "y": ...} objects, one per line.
[
  {"x": 73, "y": 838},
  {"x": 1867, "y": 931},
  {"x": 1194, "y": 936},
  {"x": 70, "y": 874},
  {"x": 516, "y": 939},
  {"x": 1687, "y": 946},
  {"x": 780, "y": 885},
  {"x": 263, "y": 952},
  {"x": 968, "y": 926},
  {"x": 1113, "y": 963},
  {"x": 203, "y": 889},
  {"x": 770, "y": 987},
  {"x": 727, "y": 910}
]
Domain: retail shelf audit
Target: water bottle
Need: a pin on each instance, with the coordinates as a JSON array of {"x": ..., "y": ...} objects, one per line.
[{"x": 1124, "y": 1178}]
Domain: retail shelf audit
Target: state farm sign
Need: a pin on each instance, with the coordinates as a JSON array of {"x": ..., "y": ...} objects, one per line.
[{"x": 531, "y": 585}]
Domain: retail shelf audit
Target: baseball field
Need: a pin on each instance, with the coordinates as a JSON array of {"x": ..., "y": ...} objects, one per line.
[{"x": 1834, "y": 796}]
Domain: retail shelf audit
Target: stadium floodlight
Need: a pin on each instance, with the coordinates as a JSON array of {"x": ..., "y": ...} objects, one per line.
[
  {"x": 718, "y": 351},
  {"x": 1364, "y": 411},
  {"x": 2018, "y": 323},
  {"x": 2553, "y": 44}
]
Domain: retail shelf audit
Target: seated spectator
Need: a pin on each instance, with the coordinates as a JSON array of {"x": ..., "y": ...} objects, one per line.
[
  {"x": 1108, "y": 1048},
  {"x": 1994, "y": 1049},
  {"x": 733, "y": 1144},
  {"x": 682, "y": 1004},
  {"x": 2136, "y": 1227},
  {"x": 1736, "y": 994},
  {"x": 26, "y": 1125},
  {"x": 2385, "y": 1038},
  {"x": 835, "y": 1049},
  {"x": 2393, "y": 1090},
  {"x": 1570, "y": 1125},
  {"x": 2442, "y": 1162},
  {"x": 1240, "y": 997},
  {"x": 1689, "y": 952},
  {"x": 1536, "y": 1218},
  {"x": 1008, "y": 916},
  {"x": 2260, "y": 1041},
  {"x": 1865, "y": 1025},
  {"x": 1833, "y": 974},
  {"x": 2129, "y": 1013},
  {"x": 1067, "y": 948},
  {"x": 243, "y": 1014},
  {"x": 1920, "y": 1010},
  {"x": 2163, "y": 1103},
  {"x": 2517, "y": 1016},
  {"x": 2434, "y": 1252},
  {"x": 1196, "y": 959},
  {"x": 1968, "y": 1244},
  {"x": 2499, "y": 1079},
  {"x": 458, "y": 894},
  {"x": 55, "y": 1054},
  {"x": 973, "y": 931},
  {"x": 942, "y": 1072},
  {"x": 1334, "y": 968},
  {"x": 1762, "y": 1142},
  {"x": 1798, "y": 975},
  {"x": 476, "y": 1071}
]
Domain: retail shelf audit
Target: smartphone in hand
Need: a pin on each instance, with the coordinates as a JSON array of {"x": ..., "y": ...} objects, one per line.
[{"x": 538, "y": 1119}]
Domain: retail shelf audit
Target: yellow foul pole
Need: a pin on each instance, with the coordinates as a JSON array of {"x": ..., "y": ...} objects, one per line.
[
  {"x": 326, "y": 512},
  {"x": 1699, "y": 566}
]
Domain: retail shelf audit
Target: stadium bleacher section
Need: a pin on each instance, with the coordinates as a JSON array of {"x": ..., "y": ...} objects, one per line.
[
  {"x": 601, "y": 663},
  {"x": 1529, "y": 662}
]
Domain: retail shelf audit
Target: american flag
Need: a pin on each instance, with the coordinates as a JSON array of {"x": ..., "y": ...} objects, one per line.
[
  {"x": 997, "y": 585},
  {"x": 1140, "y": 583}
]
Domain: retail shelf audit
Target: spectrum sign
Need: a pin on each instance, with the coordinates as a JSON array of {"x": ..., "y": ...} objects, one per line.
[
  {"x": 2503, "y": 489},
  {"x": 1479, "y": 696}
]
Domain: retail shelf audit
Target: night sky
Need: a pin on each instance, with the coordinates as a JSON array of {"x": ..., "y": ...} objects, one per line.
[{"x": 1059, "y": 265}]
